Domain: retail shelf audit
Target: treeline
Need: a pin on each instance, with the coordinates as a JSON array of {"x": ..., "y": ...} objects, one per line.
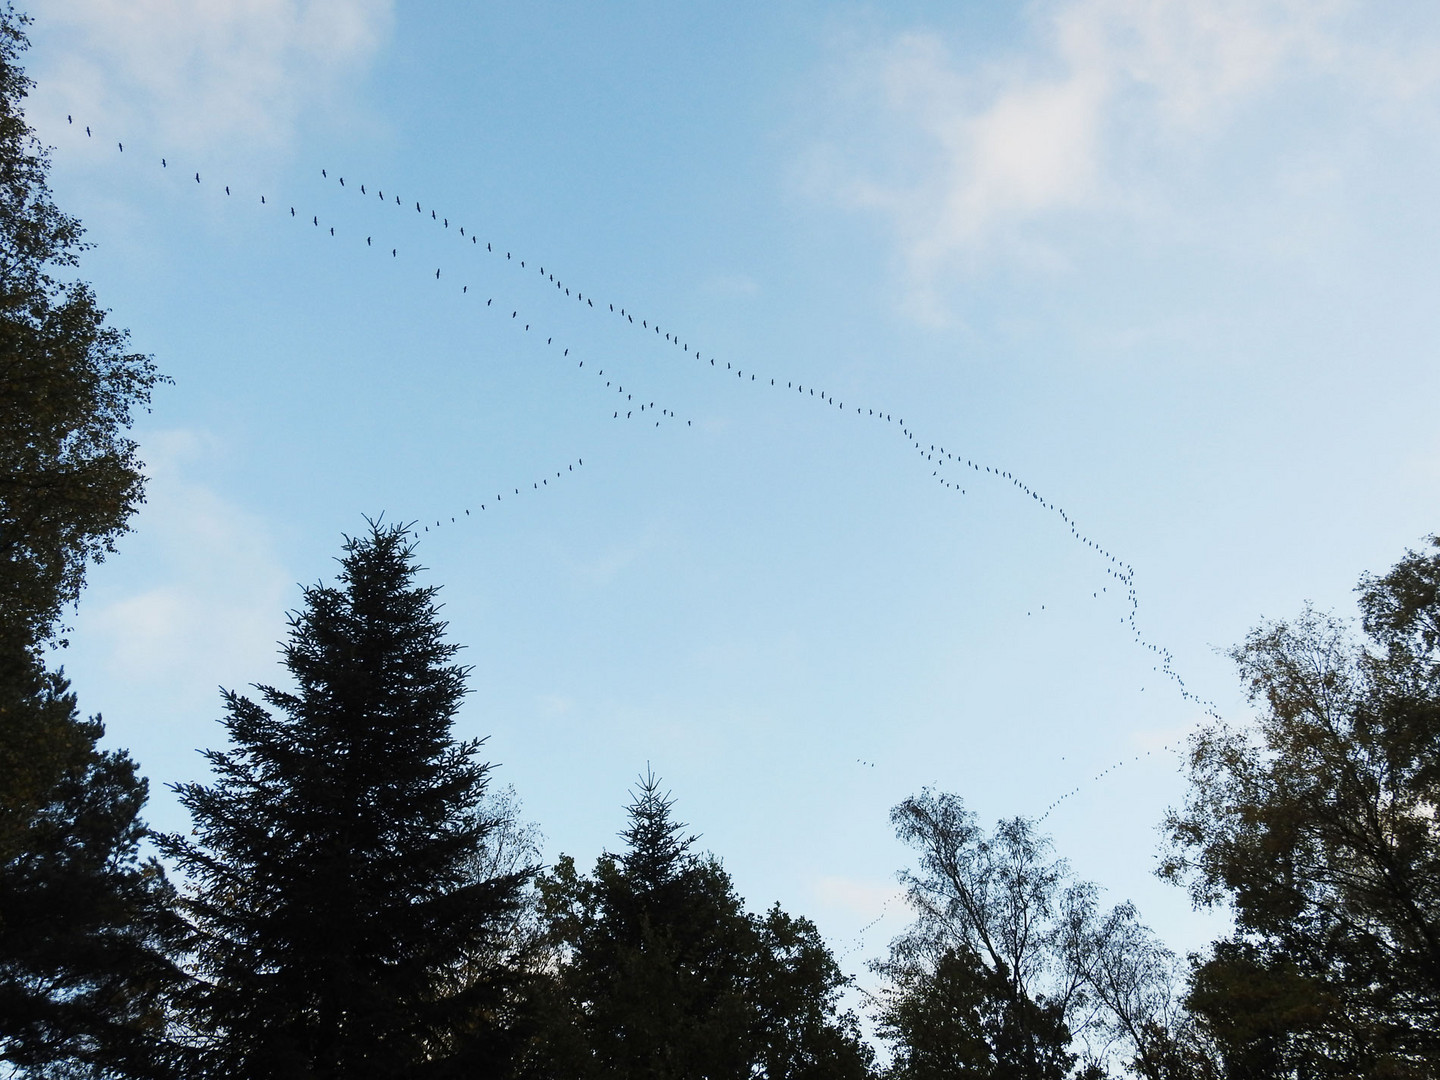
[{"x": 354, "y": 899}]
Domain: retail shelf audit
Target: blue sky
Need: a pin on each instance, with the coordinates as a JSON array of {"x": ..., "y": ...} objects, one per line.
[{"x": 1170, "y": 265}]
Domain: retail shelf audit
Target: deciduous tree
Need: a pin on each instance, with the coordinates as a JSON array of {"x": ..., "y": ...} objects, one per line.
[
  {"x": 82, "y": 923},
  {"x": 1011, "y": 969},
  {"x": 1317, "y": 826}
]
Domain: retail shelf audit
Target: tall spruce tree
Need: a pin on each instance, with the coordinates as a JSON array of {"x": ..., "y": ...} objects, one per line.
[
  {"x": 331, "y": 878},
  {"x": 662, "y": 975}
]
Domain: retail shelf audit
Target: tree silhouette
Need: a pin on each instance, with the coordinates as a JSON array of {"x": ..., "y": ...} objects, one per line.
[
  {"x": 83, "y": 926},
  {"x": 342, "y": 928},
  {"x": 1011, "y": 969},
  {"x": 662, "y": 974},
  {"x": 1318, "y": 828}
]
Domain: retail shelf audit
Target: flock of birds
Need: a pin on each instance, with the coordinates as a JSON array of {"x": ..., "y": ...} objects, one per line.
[{"x": 947, "y": 466}]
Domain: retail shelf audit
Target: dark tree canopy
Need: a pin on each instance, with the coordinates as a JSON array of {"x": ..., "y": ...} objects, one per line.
[
  {"x": 1318, "y": 828},
  {"x": 342, "y": 929},
  {"x": 84, "y": 929},
  {"x": 662, "y": 974},
  {"x": 86, "y": 924},
  {"x": 958, "y": 1017},
  {"x": 69, "y": 475}
]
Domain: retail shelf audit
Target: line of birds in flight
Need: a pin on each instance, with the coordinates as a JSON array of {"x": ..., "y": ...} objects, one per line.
[{"x": 947, "y": 464}]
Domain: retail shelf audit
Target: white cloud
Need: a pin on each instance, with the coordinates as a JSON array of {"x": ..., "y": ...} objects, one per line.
[
  {"x": 1111, "y": 107},
  {"x": 205, "y": 73},
  {"x": 204, "y": 595}
]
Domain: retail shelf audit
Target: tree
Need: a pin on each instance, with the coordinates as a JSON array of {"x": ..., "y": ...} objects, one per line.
[
  {"x": 69, "y": 475},
  {"x": 87, "y": 925},
  {"x": 70, "y": 479},
  {"x": 662, "y": 974},
  {"x": 82, "y": 919},
  {"x": 1010, "y": 969},
  {"x": 1317, "y": 826},
  {"x": 956, "y": 1016},
  {"x": 342, "y": 929}
]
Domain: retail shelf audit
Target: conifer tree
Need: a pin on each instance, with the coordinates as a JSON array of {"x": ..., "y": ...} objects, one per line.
[
  {"x": 87, "y": 926},
  {"x": 331, "y": 878},
  {"x": 662, "y": 974}
]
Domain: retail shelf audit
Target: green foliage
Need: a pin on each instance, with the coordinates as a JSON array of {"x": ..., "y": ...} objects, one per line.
[
  {"x": 342, "y": 928},
  {"x": 661, "y": 974},
  {"x": 1318, "y": 827}
]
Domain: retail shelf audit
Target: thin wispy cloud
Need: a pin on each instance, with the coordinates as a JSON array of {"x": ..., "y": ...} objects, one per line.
[
  {"x": 211, "y": 607},
  {"x": 203, "y": 74},
  {"x": 1108, "y": 107}
]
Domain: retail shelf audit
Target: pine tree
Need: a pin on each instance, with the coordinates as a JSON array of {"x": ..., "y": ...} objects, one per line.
[
  {"x": 331, "y": 878},
  {"x": 662, "y": 974}
]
